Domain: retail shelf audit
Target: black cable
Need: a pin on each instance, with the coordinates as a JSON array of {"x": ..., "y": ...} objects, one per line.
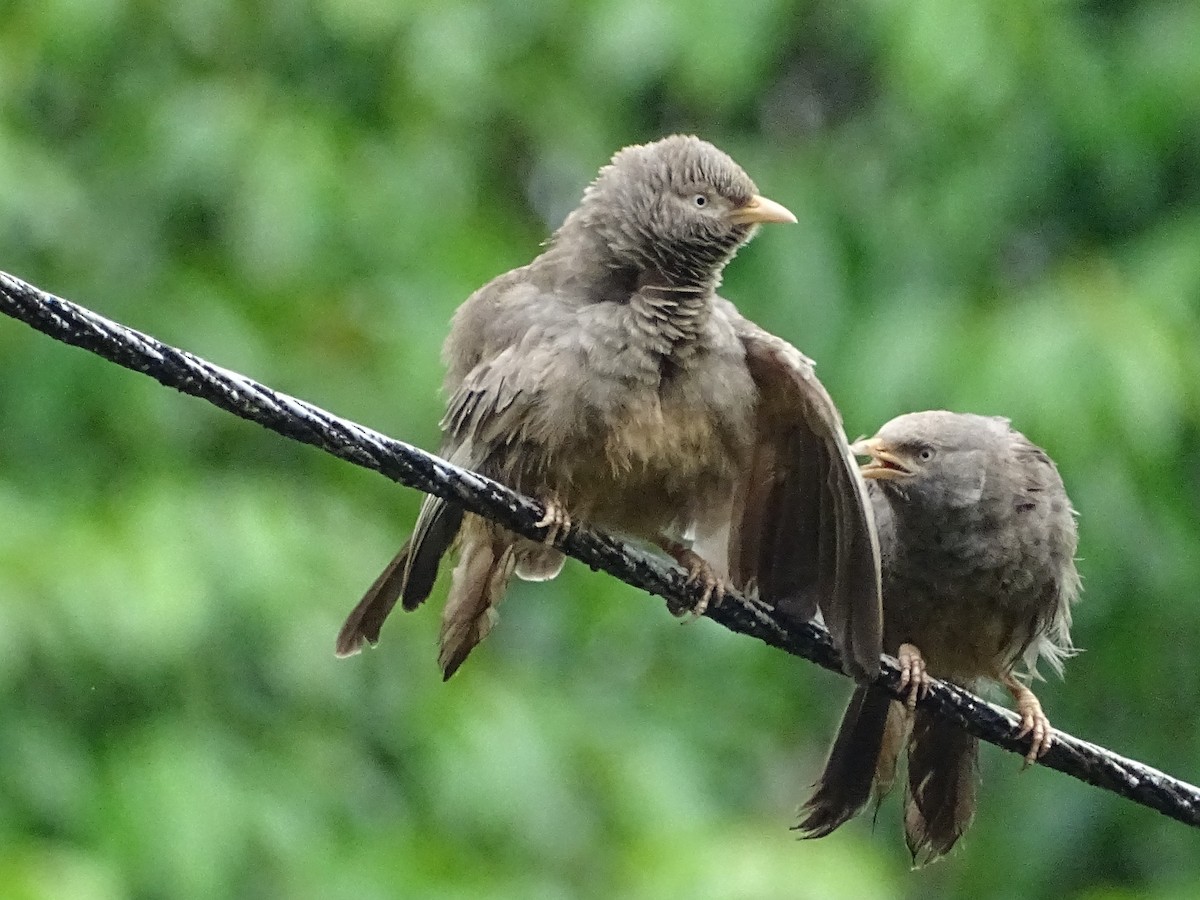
[{"x": 408, "y": 465}]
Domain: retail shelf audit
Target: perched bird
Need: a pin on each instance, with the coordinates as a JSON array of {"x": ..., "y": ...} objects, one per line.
[
  {"x": 608, "y": 380},
  {"x": 978, "y": 540}
]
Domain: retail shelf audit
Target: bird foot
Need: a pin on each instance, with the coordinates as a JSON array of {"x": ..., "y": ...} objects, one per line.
[
  {"x": 699, "y": 573},
  {"x": 757, "y": 607},
  {"x": 1034, "y": 722},
  {"x": 913, "y": 676},
  {"x": 555, "y": 520}
]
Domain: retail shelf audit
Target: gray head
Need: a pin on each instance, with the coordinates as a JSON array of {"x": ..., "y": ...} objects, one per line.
[
  {"x": 939, "y": 459},
  {"x": 678, "y": 208}
]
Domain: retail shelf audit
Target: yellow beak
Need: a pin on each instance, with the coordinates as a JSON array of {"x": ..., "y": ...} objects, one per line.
[
  {"x": 885, "y": 465},
  {"x": 760, "y": 210}
]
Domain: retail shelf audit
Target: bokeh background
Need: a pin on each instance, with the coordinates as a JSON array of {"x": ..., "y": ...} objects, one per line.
[{"x": 999, "y": 212}]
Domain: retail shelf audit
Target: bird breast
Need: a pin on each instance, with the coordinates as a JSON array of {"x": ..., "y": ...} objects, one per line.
[
  {"x": 666, "y": 442},
  {"x": 655, "y": 436},
  {"x": 970, "y": 598}
]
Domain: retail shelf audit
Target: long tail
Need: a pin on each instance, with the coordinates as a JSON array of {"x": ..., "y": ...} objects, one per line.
[
  {"x": 943, "y": 773},
  {"x": 861, "y": 751},
  {"x": 410, "y": 575},
  {"x": 479, "y": 581}
]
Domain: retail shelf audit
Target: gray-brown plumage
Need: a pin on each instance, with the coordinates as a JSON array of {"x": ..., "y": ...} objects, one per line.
[
  {"x": 978, "y": 540},
  {"x": 607, "y": 379}
]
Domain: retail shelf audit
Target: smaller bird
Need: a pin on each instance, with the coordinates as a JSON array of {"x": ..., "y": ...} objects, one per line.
[{"x": 978, "y": 541}]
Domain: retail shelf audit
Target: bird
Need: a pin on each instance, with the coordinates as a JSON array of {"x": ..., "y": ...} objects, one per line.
[
  {"x": 608, "y": 380},
  {"x": 978, "y": 540}
]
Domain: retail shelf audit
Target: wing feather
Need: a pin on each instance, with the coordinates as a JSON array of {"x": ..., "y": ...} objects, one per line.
[{"x": 805, "y": 532}]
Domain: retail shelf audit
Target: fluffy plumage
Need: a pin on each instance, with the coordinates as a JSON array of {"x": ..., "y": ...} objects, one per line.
[
  {"x": 607, "y": 379},
  {"x": 978, "y": 539}
]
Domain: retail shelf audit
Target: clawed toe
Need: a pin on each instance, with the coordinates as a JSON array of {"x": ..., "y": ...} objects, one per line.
[
  {"x": 555, "y": 520},
  {"x": 712, "y": 590},
  {"x": 700, "y": 574},
  {"x": 1034, "y": 723},
  {"x": 913, "y": 675},
  {"x": 756, "y": 606},
  {"x": 701, "y": 605}
]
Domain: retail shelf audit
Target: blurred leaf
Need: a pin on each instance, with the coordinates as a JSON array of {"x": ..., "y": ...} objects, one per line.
[{"x": 999, "y": 212}]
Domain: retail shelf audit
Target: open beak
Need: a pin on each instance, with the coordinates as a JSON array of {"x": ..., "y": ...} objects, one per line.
[
  {"x": 760, "y": 210},
  {"x": 885, "y": 465}
]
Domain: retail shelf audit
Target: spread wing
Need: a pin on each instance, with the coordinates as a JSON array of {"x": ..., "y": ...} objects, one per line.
[{"x": 802, "y": 527}]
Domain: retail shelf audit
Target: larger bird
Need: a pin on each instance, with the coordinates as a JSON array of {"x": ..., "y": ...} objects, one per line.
[
  {"x": 608, "y": 380},
  {"x": 978, "y": 539}
]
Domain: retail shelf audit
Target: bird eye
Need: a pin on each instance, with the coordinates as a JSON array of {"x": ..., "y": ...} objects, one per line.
[
  {"x": 926, "y": 454},
  {"x": 700, "y": 200}
]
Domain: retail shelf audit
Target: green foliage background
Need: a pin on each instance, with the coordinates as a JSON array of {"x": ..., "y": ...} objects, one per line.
[{"x": 999, "y": 212}]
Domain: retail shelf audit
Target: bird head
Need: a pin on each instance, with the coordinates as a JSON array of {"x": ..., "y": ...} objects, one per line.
[
  {"x": 936, "y": 458},
  {"x": 679, "y": 207}
]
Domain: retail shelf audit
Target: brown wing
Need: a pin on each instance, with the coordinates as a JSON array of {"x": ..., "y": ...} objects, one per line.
[{"x": 803, "y": 531}]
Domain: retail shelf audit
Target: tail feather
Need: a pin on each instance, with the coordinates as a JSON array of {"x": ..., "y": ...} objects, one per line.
[
  {"x": 943, "y": 774},
  {"x": 435, "y": 531},
  {"x": 894, "y": 734},
  {"x": 410, "y": 575},
  {"x": 845, "y": 785},
  {"x": 478, "y": 585}
]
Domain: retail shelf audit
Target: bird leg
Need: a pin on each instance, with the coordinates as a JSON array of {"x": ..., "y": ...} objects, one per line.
[
  {"x": 913, "y": 675},
  {"x": 555, "y": 520},
  {"x": 1033, "y": 721},
  {"x": 699, "y": 572}
]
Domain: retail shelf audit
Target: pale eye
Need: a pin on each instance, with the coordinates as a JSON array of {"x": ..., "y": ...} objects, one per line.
[
  {"x": 700, "y": 200},
  {"x": 926, "y": 454}
]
